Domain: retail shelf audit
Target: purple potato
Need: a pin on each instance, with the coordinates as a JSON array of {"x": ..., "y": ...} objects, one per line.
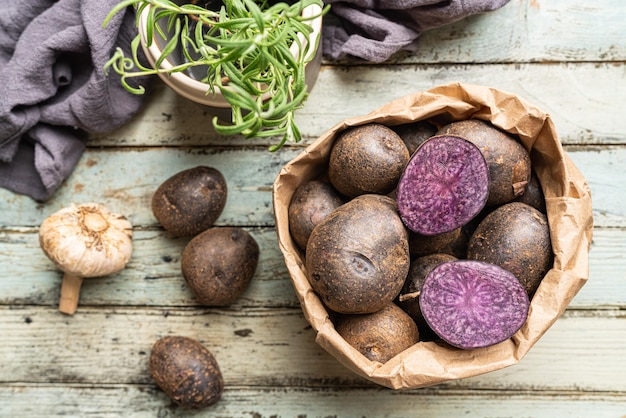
[
  {"x": 357, "y": 258},
  {"x": 190, "y": 201},
  {"x": 415, "y": 133},
  {"x": 444, "y": 185},
  {"x": 186, "y": 371},
  {"x": 367, "y": 159},
  {"x": 219, "y": 264},
  {"x": 472, "y": 304},
  {"x": 408, "y": 299},
  {"x": 381, "y": 335},
  {"x": 311, "y": 203}
]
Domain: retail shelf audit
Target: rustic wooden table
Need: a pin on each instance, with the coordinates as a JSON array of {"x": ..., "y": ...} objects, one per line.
[{"x": 565, "y": 56}]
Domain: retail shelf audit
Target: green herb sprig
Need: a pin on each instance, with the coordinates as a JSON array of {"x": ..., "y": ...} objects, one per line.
[{"x": 245, "y": 48}]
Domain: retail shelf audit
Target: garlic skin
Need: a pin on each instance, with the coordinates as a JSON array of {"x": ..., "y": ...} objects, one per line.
[{"x": 85, "y": 240}]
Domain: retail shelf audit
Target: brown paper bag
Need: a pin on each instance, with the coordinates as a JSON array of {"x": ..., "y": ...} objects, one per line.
[{"x": 568, "y": 202}]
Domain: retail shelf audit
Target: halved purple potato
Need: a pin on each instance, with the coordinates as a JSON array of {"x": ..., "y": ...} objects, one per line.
[
  {"x": 444, "y": 185},
  {"x": 472, "y": 304}
]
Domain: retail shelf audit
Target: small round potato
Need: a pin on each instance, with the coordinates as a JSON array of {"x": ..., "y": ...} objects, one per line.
[
  {"x": 190, "y": 201},
  {"x": 219, "y": 263},
  {"x": 310, "y": 204},
  {"x": 408, "y": 299},
  {"x": 415, "y": 133},
  {"x": 381, "y": 335},
  {"x": 367, "y": 159},
  {"x": 186, "y": 371},
  {"x": 515, "y": 237}
]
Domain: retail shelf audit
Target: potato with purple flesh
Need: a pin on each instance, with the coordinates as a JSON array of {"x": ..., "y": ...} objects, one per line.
[
  {"x": 516, "y": 237},
  {"x": 190, "y": 201},
  {"x": 381, "y": 335},
  {"x": 311, "y": 202},
  {"x": 367, "y": 159},
  {"x": 444, "y": 185},
  {"x": 186, "y": 371},
  {"x": 408, "y": 299},
  {"x": 472, "y": 304},
  {"x": 509, "y": 162},
  {"x": 357, "y": 258},
  {"x": 219, "y": 264}
]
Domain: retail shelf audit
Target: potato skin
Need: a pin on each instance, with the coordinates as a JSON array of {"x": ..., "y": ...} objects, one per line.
[
  {"x": 516, "y": 237},
  {"x": 381, "y": 335},
  {"x": 453, "y": 242},
  {"x": 357, "y": 258},
  {"x": 310, "y": 204},
  {"x": 219, "y": 263},
  {"x": 415, "y": 133},
  {"x": 533, "y": 195},
  {"x": 408, "y": 300},
  {"x": 186, "y": 371},
  {"x": 367, "y": 159},
  {"x": 190, "y": 201},
  {"x": 509, "y": 162}
]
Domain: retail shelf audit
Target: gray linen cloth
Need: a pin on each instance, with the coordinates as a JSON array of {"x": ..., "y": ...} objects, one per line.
[
  {"x": 53, "y": 90},
  {"x": 376, "y": 29}
]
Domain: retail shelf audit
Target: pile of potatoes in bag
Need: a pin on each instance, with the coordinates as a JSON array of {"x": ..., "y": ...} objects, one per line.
[{"x": 424, "y": 233}]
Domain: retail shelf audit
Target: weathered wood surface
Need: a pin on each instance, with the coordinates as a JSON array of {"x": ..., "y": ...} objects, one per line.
[
  {"x": 275, "y": 347},
  {"x": 565, "y": 56},
  {"x": 581, "y": 98},
  {"x": 125, "y": 178},
  {"x": 153, "y": 277},
  {"x": 143, "y": 401}
]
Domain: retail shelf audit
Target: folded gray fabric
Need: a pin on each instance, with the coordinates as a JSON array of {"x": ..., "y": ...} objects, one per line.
[
  {"x": 53, "y": 90},
  {"x": 376, "y": 29}
]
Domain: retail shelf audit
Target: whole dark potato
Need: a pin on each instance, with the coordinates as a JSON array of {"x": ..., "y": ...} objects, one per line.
[
  {"x": 190, "y": 201},
  {"x": 358, "y": 257},
  {"x": 533, "y": 195},
  {"x": 367, "y": 159},
  {"x": 311, "y": 202},
  {"x": 381, "y": 335},
  {"x": 415, "y": 133},
  {"x": 509, "y": 162},
  {"x": 408, "y": 299},
  {"x": 453, "y": 242},
  {"x": 516, "y": 237},
  {"x": 186, "y": 371},
  {"x": 219, "y": 263}
]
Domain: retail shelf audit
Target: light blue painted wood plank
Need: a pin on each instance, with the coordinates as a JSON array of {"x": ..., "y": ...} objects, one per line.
[
  {"x": 584, "y": 101},
  {"x": 153, "y": 276},
  {"x": 275, "y": 347},
  {"x": 125, "y": 179},
  {"x": 111, "y": 177},
  {"x": 149, "y": 402},
  {"x": 531, "y": 30}
]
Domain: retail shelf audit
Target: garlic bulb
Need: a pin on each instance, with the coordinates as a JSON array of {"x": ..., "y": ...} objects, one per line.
[{"x": 85, "y": 241}]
